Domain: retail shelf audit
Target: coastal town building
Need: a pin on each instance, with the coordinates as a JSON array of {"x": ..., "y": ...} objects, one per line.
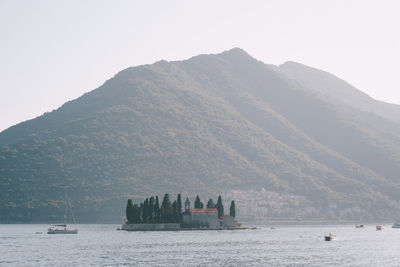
[{"x": 265, "y": 205}]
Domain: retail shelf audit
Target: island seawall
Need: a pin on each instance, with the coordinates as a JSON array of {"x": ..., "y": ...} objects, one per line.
[{"x": 151, "y": 227}]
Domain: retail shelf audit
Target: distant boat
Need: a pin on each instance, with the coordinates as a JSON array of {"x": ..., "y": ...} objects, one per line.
[
  {"x": 329, "y": 237},
  {"x": 396, "y": 225},
  {"x": 379, "y": 227},
  {"x": 62, "y": 228},
  {"x": 360, "y": 225}
]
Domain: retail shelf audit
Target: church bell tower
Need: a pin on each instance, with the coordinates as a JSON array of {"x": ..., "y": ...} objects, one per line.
[{"x": 187, "y": 205}]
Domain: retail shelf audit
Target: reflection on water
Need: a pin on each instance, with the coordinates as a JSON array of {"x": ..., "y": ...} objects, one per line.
[{"x": 97, "y": 245}]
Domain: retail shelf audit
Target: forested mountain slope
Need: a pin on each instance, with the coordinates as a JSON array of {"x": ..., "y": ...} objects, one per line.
[{"x": 204, "y": 125}]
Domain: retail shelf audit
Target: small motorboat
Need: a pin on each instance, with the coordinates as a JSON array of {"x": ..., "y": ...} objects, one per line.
[
  {"x": 329, "y": 237},
  {"x": 360, "y": 225},
  {"x": 379, "y": 227},
  {"x": 61, "y": 229},
  {"x": 396, "y": 225}
]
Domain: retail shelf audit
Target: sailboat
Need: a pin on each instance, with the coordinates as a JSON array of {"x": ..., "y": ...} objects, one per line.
[{"x": 62, "y": 228}]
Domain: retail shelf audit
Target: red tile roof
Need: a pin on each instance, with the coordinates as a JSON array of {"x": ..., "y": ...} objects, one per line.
[{"x": 203, "y": 211}]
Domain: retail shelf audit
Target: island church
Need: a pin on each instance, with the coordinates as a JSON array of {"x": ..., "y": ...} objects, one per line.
[{"x": 204, "y": 217}]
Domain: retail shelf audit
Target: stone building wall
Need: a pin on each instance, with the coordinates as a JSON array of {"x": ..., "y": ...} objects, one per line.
[{"x": 209, "y": 218}]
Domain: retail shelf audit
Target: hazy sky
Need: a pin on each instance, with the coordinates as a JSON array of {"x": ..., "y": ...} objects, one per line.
[{"x": 54, "y": 51}]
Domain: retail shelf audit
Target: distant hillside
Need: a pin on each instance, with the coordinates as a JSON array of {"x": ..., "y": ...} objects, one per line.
[
  {"x": 209, "y": 124},
  {"x": 335, "y": 90}
]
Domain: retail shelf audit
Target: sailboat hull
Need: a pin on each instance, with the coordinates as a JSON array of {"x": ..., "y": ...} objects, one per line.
[{"x": 62, "y": 232}]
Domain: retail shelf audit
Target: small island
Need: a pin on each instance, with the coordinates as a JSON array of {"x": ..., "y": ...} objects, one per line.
[{"x": 169, "y": 216}]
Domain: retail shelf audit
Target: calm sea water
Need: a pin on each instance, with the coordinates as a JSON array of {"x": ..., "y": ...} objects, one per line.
[{"x": 102, "y": 245}]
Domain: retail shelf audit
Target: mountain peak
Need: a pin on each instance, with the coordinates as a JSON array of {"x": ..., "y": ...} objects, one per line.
[{"x": 236, "y": 50}]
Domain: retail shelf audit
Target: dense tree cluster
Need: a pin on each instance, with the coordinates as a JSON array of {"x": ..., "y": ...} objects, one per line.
[{"x": 150, "y": 210}]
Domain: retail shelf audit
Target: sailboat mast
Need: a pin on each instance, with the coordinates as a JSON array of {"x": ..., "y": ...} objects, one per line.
[
  {"x": 66, "y": 208},
  {"x": 69, "y": 206}
]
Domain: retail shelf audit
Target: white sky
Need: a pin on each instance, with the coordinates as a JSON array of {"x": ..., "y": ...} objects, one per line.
[{"x": 54, "y": 51}]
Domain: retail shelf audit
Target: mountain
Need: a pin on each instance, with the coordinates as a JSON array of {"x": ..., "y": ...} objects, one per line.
[{"x": 207, "y": 125}]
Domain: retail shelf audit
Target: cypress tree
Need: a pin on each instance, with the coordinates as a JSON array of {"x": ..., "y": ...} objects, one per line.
[
  {"x": 151, "y": 209},
  {"x": 129, "y": 211},
  {"x": 141, "y": 213},
  {"x": 136, "y": 214},
  {"x": 232, "y": 210},
  {"x": 157, "y": 210},
  {"x": 179, "y": 206},
  {"x": 197, "y": 203},
  {"x": 220, "y": 207},
  {"x": 210, "y": 204},
  {"x": 166, "y": 209},
  {"x": 146, "y": 211},
  {"x": 174, "y": 212}
]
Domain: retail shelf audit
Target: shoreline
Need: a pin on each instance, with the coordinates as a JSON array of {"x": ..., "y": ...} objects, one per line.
[
  {"x": 174, "y": 227},
  {"x": 190, "y": 229},
  {"x": 251, "y": 223}
]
